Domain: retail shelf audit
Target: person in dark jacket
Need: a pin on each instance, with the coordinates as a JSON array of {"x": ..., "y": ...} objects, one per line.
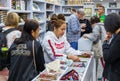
[
  {"x": 111, "y": 51},
  {"x": 85, "y": 24},
  {"x": 25, "y": 61}
]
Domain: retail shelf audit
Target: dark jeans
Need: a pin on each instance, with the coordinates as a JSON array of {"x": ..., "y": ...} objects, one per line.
[{"x": 74, "y": 45}]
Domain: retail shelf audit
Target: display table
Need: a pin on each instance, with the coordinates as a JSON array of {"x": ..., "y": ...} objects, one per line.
[{"x": 89, "y": 73}]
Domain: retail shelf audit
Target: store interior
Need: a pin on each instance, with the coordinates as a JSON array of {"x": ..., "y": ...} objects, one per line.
[{"x": 42, "y": 10}]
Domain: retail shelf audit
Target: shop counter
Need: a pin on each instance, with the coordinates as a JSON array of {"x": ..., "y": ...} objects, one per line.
[{"x": 86, "y": 73}]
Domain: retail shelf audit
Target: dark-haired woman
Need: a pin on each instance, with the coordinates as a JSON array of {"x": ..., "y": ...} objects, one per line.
[
  {"x": 26, "y": 56},
  {"x": 111, "y": 51}
]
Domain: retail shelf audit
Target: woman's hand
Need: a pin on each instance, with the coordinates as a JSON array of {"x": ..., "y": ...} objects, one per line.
[
  {"x": 83, "y": 25},
  {"x": 85, "y": 36},
  {"x": 86, "y": 55},
  {"x": 74, "y": 58}
]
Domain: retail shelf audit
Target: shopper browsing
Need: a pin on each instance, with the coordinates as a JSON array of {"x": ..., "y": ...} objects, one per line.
[
  {"x": 55, "y": 43},
  {"x": 109, "y": 36},
  {"x": 11, "y": 24},
  {"x": 97, "y": 36},
  {"x": 73, "y": 32},
  {"x": 111, "y": 50},
  {"x": 26, "y": 55}
]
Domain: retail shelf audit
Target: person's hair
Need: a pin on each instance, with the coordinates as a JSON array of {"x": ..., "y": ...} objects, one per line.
[
  {"x": 80, "y": 11},
  {"x": 102, "y": 7},
  {"x": 29, "y": 26},
  {"x": 74, "y": 10},
  {"x": 57, "y": 24},
  {"x": 53, "y": 17},
  {"x": 12, "y": 19},
  {"x": 61, "y": 16},
  {"x": 112, "y": 22},
  {"x": 94, "y": 19}
]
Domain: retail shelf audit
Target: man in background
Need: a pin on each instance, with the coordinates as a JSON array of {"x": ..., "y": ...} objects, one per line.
[
  {"x": 101, "y": 13},
  {"x": 74, "y": 28}
]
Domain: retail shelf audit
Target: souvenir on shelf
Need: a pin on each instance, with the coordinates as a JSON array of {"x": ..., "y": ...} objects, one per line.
[
  {"x": 18, "y": 4},
  {"x": 23, "y": 16},
  {"x": 71, "y": 75},
  {"x": 35, "y": 6},
  {"x": 2, "y": 16},
  {"x": 88, "y": 12},
  {"x": 37, "y": 17}
]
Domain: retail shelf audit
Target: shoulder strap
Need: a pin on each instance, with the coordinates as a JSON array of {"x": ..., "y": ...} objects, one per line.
[
  {"x": 33, "y": 50},
  {"x": 99, "y": 31},
  {"x": 9, "y": 30}
]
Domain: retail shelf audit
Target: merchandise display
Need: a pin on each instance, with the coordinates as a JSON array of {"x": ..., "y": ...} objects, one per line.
[
  {"x": 74, "y": 71},
  {"x": 53, "y": 71},
  {"x": 41, "y": 10}
]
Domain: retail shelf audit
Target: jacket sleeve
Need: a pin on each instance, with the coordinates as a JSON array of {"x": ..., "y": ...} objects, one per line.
[
  {"x": 40, "y": 59},
  {"x": 70, "y": 50},
  {"x": 111, "y": 53},
  {"x": 95, "y": 34},
  {"x": 47, "y": 48}
]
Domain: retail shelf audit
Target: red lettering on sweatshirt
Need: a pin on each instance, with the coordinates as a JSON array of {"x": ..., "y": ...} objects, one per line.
[{"x": 59, "y": 46}]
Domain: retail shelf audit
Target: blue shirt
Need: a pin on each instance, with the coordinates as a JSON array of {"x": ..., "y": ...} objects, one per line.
[{"x": 73, "y": 29}]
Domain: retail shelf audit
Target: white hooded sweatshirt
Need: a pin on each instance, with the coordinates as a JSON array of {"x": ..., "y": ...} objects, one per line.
[{"x": 53, "y": 47}]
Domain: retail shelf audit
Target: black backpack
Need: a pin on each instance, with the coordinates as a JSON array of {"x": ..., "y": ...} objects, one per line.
[{"x": 4, "y": 48}]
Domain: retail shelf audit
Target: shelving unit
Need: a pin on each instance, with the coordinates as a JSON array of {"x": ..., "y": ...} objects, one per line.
[
  {"x": 49, "y": 10},
  {"x": 26, "y": 9},
  {"x": 39, "y": 13},
  {"x": 58, "y": 9},
  {"x": 110, "y": 10},
  {"x": 21, "y": 7},
  {"x": 4, "y": 8}
]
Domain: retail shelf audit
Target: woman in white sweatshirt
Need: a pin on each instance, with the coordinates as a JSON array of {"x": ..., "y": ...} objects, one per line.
[{"x": 55, "y": 43}]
